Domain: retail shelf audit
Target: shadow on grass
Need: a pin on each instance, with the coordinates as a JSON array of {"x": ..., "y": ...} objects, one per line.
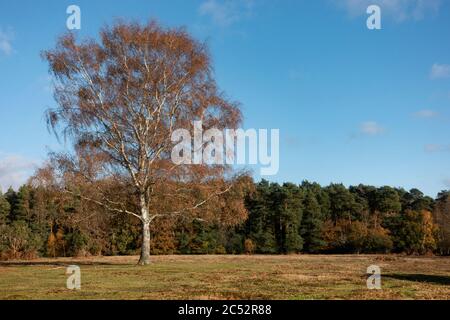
[{"x": 428, "y": 278}]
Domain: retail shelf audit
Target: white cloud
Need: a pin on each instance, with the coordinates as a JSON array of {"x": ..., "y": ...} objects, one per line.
[
  {"x": 432, "y": 148},
  {"x": 5, "y": 42},
  {"x": 399, "y": 10},
  {"x": 440, "y": 71},
  {"x": 14, "y": 170},
  {"x": 426, "y": 113},
  {"x": 225, "y": 13},
  {"x": 371, "y": 128}
]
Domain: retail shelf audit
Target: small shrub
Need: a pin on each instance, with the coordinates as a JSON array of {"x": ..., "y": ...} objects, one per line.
[{"x": 249, "y": 246}]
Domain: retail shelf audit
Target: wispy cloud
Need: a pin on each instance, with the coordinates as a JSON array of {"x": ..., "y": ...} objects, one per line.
[
  {"x": 371, "y": 128},
  {"x": 399, "y": 10},
  {"x": 447, "y": 182},
  {"x": 6, "y": 37},
  {"x": 14, "y": 170},
  {"x": 225, "y": 13},
  {"x": 294, "y": 74},
  {"x": 440, "y": 71},
  {"x": 432, "y": 148},
  {"x": 426, "y": 114},
  {"x": 45, "y": 82},
  {"x": 292, "y": 141}
]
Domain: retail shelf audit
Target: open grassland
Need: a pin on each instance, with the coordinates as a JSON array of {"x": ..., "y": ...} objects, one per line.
[{"x": 229, "y": 277}]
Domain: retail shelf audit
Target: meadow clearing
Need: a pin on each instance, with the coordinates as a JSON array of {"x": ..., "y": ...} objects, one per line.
[{"x": 289, "y": 277}]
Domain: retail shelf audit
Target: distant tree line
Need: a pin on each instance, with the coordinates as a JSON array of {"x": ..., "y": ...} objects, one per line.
[{"x": 39, "y": 220}]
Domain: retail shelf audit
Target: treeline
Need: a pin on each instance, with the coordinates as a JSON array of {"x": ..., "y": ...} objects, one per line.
[{"x": 282, "y": 219}]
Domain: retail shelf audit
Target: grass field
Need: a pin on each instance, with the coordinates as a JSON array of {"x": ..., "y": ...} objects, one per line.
[{"x": 229, "y": 277}]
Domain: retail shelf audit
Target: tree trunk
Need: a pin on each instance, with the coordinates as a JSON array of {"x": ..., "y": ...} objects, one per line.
[{"x": 145, "y": 248}]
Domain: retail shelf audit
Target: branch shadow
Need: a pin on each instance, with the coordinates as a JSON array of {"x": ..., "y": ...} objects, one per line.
[{"x": 427, "y": 278}]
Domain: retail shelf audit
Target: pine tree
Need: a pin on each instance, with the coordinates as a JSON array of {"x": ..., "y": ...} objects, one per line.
[
  {"x": 289, "y": 208},
  {"x": 260, "y": 224},
  {"x": 4, "y": 209},
  {"x": 311, "y": 226},
  {"x": 342, "y": 203},
  {"x": 20, "y": 204},
  {"x": 11, "y": 197}
]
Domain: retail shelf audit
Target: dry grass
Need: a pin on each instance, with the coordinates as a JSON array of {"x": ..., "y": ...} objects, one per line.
[{"x": 229, "y": 277}]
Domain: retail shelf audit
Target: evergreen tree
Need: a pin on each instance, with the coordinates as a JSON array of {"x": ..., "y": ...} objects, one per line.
[
  {"x": 289, "y": 208},
  {"x": 387, "y": 201},
  {"x": 20, "y": 204},
  {"x": 342, "y": 203},
  {"x": 235, "y": 239},
  {"x": 4, "y": 209},
  {"x": 11, "y": 197},
  {"x": 365, "y": 199},
  {"x": 415, "y": 200},
  {"x": 204, "y": 239},
  {"x": 311, "y": 226},
  {"x": 260, "y": 223}
]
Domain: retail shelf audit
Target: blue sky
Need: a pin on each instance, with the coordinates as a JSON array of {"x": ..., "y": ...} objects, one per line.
[{"x": 353, "y": 105}]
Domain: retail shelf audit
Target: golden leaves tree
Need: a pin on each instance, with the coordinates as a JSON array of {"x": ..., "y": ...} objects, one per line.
[{"x": 119, "y": 99}]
